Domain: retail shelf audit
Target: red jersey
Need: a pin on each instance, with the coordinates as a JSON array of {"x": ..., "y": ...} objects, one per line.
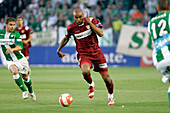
[
  {"x": 84, "y": 36},
  {"x": 24, "y": 32}
]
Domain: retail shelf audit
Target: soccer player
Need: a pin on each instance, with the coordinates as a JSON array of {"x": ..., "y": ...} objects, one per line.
[
  {"x": 26, "y": 36},
  {"x": 85, "y": 31},
  {"x": 11, "y": 46},
  {"x": 159, "y": 29}
]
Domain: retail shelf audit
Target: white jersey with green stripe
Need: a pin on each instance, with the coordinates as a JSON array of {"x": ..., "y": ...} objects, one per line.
[
  {"x": 10, "y": 40},
  {"x": 159, "y": 29}
]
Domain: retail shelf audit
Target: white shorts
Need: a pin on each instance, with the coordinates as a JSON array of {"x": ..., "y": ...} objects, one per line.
[
  {"x": 22, "y": 64},
  {"x": 164, "y": 68}
]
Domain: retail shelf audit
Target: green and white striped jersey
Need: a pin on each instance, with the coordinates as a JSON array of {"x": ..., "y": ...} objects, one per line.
[
  {"x": 10, "y": 40},
  {"x": 159, "y": 29}
]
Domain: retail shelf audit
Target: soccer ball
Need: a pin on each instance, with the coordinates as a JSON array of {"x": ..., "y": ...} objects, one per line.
[{"x": 65, "y": 99}]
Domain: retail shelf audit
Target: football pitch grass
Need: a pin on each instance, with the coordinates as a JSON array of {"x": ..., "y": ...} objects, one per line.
[{"x": 138, "y": 89}]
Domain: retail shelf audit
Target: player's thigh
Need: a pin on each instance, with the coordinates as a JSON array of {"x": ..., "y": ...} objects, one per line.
[
  {"x": 162, "y": 65},
  {"x": 83, "y": 60},
  {"x": 25, "y": 76},
  {"x": 13, "y": 69},
  {"x": 23, "y": 66},
  {"x": 100, "y": 64}
]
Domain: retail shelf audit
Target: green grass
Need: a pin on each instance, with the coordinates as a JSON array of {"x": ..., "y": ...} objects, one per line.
[{"x": 140, "y": 90}]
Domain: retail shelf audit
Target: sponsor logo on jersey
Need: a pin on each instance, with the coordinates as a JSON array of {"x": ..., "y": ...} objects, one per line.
[
  {"x": 162, "y": 42},
  {"x": 7, "y": 41},
  {"x": 23, "y": 36},
  {"x": 83, "y": 34}
]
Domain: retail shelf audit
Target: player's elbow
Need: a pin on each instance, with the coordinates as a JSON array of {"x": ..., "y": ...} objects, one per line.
[
  {"x": 100, "y": 34},
  {"x": 19, "y": 48}
]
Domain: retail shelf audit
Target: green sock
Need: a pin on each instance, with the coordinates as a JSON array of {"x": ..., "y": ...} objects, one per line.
[
  {"x": 169, "y": 97},
  {"x": 28, "y": 83},
  {"x": 19, "y": 82}
]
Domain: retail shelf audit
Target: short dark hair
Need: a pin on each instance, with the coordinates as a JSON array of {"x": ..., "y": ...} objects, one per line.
[
  {"x": 20, "y": 17},
  {"x": 163, "y": 5},
  {"x": 10, "y": 19}
]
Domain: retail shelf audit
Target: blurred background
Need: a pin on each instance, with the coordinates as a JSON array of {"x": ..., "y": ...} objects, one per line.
[{"x": 49, "y": 19}]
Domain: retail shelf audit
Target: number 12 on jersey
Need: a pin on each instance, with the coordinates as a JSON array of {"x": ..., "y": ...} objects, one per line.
[{"x": 160, "y": 28}]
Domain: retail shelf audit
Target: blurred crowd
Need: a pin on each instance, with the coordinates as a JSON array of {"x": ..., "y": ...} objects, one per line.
[{"x": 41, "y": 15}]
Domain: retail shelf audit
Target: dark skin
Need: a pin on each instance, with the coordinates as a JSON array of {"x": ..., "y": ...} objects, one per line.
[{"x": 79, "y": 18}]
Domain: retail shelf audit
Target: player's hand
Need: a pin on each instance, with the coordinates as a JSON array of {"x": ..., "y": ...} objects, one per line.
[
  {"x": 87, "y": 17},
  {"x": 60, "y": 54},
  {"x": 9, "y": 50}
]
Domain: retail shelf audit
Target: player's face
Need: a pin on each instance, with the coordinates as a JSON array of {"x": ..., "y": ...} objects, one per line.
[
  {"x": 79, "y": 17},
  {"x": 10, "y": 26},
  {"x": 19, "y": 21}
]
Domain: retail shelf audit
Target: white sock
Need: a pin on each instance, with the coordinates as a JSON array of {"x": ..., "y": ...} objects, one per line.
[
  {"x": 92, "y": 84},
  {"x": 110, "y": 95},
  {"x": 16, "y": 76},
  {"x": 169, "y": 89},
  {"x": 165, "y": 79}
]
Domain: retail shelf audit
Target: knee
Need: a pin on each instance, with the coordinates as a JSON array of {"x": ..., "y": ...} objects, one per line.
[
  {"x": 25, "y": 77},
  {"x": 14, "y": 72},
  {"x": 13, "y": 69},
  {"x": 86, "y": 72},
  {"x": 106, "y": 78}
]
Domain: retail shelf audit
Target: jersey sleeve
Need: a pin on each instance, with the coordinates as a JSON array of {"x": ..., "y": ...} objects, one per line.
[
  {"x": 96, "y": 22},
  {"x": 68, "y": 32},
  {"x": 18, "y": 40},
  {"x": 29, "y": 31}
]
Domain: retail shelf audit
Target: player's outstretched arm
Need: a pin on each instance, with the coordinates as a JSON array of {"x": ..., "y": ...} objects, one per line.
[
  {"x": 28, "y": 40},
  {"x": 97, "y": 30},
  {"x": 63, "y": 43},
  {"x": 9, "y": 50}
]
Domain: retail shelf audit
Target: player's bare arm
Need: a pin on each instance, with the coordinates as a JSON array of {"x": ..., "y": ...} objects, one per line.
[
  {"x": 63, "y": 43},
  {"x": 9, "y": 50},
  {"x": 97, "y": 30},
  {"x": 28, "y": 40}
]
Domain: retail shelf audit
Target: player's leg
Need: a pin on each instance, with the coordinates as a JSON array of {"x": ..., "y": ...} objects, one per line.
[
  {"x": 87, "y": 76},
  {"x": 18, "y": 80},
  {"x": 165, "y": 79},
  {"x": 24, "y": 71},
  {"x": 109, "y": 84},
  {"x": 86, "y": 72},
  {"x": 164, "y": 68},
  {"x": 28, "y": 83},
  {"x": 100, "y": 65}
]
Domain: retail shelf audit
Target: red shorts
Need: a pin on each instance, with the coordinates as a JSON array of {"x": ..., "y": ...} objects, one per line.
[
  {"x": 26, "y": 51},
  {"x": 97, "y": 59}
]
